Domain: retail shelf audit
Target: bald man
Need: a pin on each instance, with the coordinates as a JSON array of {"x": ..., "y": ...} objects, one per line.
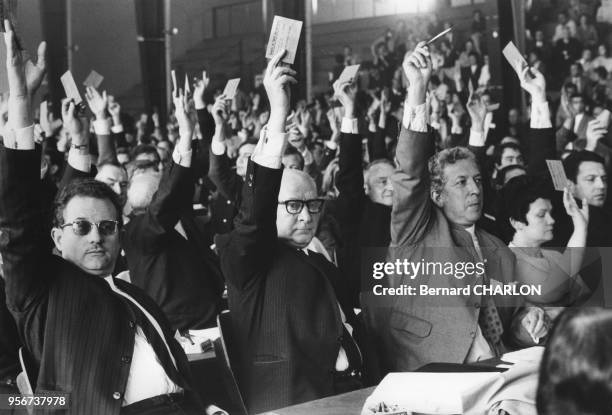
[{"x": 287, "y": 307}]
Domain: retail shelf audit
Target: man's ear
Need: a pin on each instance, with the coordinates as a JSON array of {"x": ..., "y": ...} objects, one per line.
[
  {"x": 436, "y": 197},
  {"x": 56, "y": 235},
  {"x": 572, "y": 187},
  {"x": 366, "y": 188}
]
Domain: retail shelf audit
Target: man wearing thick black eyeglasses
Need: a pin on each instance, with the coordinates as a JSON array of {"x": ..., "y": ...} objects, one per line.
[
  {"x": 99, "y": 342},
  {"x": 288, "y": 304}
]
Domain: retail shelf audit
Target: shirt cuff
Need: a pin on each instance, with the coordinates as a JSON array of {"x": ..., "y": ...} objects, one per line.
[
  {"x": 182, "y": 158},
  {"x": 332, "y": 145},
  {"x": 117, "y": 129},
  {"x": 540, "y": 115},
  {"x": 19, "y": 139},
  {"x": 269, "y": 150},
  {"x": 477, "y": 138},
  {"x": 81, "y": 162},
  {"x": 415, "y": 118},
  {"x": 349, "y": 126},
  {"x": 217, "y": 147},
  {"x": 213, "y": 409},
  {"x": 102, "y": 127}
]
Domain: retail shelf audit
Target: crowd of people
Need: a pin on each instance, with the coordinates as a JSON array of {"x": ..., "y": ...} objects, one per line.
[{"x": 115, "y": 235}]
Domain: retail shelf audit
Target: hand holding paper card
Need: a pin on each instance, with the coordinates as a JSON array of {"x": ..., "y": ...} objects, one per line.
[
  {"x": 349, "y": 74},
  {"x": 231, "y": 88},
  {"x": 285, "y": 35},
  {"x": 557, "y": 172},
  {"x": 70, "y": 88},
  {"x": 515, "y": 58},
  {"x": 94, "y": 79}
]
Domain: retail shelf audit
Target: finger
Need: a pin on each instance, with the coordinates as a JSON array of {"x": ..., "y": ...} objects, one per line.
[
  {"x": 423, "y": 50},
  {"x": 71, "y": 107},
  {"x": 538, "y": 326},
  {"x": 274, "y": 61},
  {"x": 421, "y": 44},
  {"x": 419, "y": 59},
  {"x": 104, "y": 96},
  {"x": 287, "y": 79},
  {"x": 282, "y": 70}
]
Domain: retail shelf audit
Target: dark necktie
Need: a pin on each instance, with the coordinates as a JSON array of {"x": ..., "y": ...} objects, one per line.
[{"x": 488, "y": 319}]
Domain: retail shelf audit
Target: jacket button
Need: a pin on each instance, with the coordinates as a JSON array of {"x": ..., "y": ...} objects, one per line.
[
  {"x": 132, "y": 324},
  {"x": 125, "y": 359},
  {"x": 224, "y": 220},
  {"x": 472, "y": 333},
  {"x": 340, "y": 338},
  {"x": 229, "y": 202},
  {"x": 477, "y": 305},
  {"x": 116, "y": 396}
]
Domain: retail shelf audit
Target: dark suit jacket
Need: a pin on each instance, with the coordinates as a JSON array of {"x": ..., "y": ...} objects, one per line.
[
  {"x": 417, "y": 330},
  {"x": 9, "y": 341},
  {"x": 225, "y": 205},
  {"x": 182, "y": 276},
  {"x": 363, "y": 223},
  {"x": 79, "y": 334},
  {"x": 283, "y": 303}
]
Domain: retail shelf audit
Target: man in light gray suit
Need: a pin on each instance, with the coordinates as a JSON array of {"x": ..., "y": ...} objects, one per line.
[{"x": 434, "y": 222}]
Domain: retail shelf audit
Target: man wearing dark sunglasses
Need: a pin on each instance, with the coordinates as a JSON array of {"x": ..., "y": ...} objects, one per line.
[
  {"x": 288, "y": 305},
  {"x": 98, "y": 341}
]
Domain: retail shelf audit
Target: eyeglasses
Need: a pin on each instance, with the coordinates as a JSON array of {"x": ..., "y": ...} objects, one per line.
[
  {"x": 294, "y": 207},
  {"x": 82, "y": 227}
]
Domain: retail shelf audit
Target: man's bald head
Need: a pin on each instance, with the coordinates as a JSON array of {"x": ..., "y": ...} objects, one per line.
[{"x": 141, "y": 191}]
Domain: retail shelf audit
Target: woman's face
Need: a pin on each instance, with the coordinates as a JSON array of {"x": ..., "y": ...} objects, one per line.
[
  {"x": 539, "y": 228},
  {"x": 601, "y": 50}
]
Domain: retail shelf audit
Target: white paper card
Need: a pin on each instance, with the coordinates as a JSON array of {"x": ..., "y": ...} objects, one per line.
[
  {"x": 557, "y": 172},
  {"x": 230, "y": 88},
  {"x": 349, "y": 74},
  {"x": 174, "y": 84},
  {"x": 514, "y": 58},
  {"x": 70, "y": 88},
  {"x": 285, "y": 34},
  {"x": 94, "y": 79}
]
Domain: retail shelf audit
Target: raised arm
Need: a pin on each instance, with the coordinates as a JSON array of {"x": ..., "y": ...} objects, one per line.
[
  {"x": 541, "y": 136},
  {"x": 175, "y": 189},
  {"x": 79, "y": 158},
  {"x": 220, "y": 172},
  {"x": 24, "y": 242},
  {"x": 248, "y": 250},
  {"x": 349, "y": 178},
  {"x": 98, "y": 103},
  {"x": 201, "y": 156},
  {"x": 412, "y": 206}
]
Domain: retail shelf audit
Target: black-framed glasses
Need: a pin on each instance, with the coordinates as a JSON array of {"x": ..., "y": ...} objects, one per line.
[
  {"x": 82, "y": 227},
  {"x": 294, "y": 207}
]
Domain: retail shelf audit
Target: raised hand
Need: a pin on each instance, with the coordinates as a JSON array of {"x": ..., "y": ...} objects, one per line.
[
  {"x": 98, "y": 103},
  {"x": 346, "y": 93},
  {"x": 199, "y": 87},
  {"x": 417, "y": 65},
  {"x": 477, "y": 110},
  {"x": 276, "y": 82},
  {"x": 184, "y": 120},
  {"x": 595, "y": 131},
  {"x": 535, "y": 85},
  {"x": 114, "y": 109},
  {"x": 580, "y": 216},
  {"x": 74, "y": 125},
  {"x": 24, "y": 78},
  {"x": 220, "y": 110}
]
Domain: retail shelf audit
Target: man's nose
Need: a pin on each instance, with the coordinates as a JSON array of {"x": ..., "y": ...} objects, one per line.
[
  {"x": 600, "y": 183},
  {"x": 94, "y": 235},
  {"x": 116, "y": 188},
  {"x": 474, "y": 187},
  {"x": 305, "y": 215}
]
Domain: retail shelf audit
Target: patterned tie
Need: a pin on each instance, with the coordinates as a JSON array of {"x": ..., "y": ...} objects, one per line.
[{"x": 488, "y": 319}]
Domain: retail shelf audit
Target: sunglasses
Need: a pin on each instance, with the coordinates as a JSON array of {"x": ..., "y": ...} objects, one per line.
[
  {"x": 82, "y": 227},
  {"x": 294, "y": 207}
]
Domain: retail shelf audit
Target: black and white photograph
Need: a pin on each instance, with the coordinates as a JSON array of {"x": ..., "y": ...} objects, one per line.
[{"x": 305, "y": 207}]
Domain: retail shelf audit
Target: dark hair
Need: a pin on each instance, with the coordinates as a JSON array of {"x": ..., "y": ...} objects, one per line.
[
  {"x": 499, "y": 151},
  {"x": 601, "y": 72},
  {"x": 503, "y": 172},
  {"x": 145, "y": 149},
  {"x": 292, "y": 151},
  {"x": 84, "y": 188},
  {"x": 576, "y": 158},
  {"x": 576, "y": 369}
]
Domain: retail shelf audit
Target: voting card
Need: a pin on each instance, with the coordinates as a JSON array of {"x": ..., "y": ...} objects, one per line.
[
  {"x": 514, "y": 58},
  {"x": 44, "y": 112},
  {"x": 349, "y": 74},
  {"x": 557, "y": 172},
  {"x": 94, "y": 80},
  {"x": 187, "y": 87},
  {"x": 174, "y": 84},
  {"x": 230, "y": 88},
  {"x": 70, "y": 88},
  {"x": 285, "y": 35},
  {"x": 8, "y": 10}
]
